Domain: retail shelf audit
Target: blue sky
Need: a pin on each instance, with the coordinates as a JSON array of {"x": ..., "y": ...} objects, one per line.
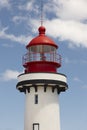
[{"x": 66, "y": 24}]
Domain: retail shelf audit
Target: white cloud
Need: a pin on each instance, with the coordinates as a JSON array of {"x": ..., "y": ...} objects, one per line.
[
  {"x": 81, "y": 82},
  {"x": 84, "y": 86},
  {"x": 20, "y": 39},
  {"x": 7, "y": 45},
  {"x": 5, "y": 4},
  {"x": 68, "y": 9},
  {"x": 62, "y": 9},
  {"x": 27, "y": 6},
  {"x": 69, "y": 30},
  {"x": 30, "y": 6},
  {"x": 19, "y": 19},
  {"x": 72, "y": 31},
  {"x": 9, "y": 75},
  {"x": 77, "y": 79},
  {"x": 67, "y": 61},
  {"x": 75, "y": 61},
  {"x": 71, "y": 61},
  {"x": 73, "y": 9}
]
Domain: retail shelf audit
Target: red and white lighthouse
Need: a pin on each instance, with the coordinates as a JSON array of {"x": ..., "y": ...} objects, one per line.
[{"x": 42, "y": 83}]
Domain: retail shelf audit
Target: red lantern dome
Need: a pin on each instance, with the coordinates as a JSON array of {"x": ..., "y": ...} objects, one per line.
[
  {"x": 42, "y": 54},
  {"x": 42, "y": 39}
]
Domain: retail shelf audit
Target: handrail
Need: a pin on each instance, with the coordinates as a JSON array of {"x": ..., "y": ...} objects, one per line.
[{"x": 51, "y": 57}]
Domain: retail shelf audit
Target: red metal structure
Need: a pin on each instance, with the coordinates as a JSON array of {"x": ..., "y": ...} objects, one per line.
[{"x": 41, "y": 54}]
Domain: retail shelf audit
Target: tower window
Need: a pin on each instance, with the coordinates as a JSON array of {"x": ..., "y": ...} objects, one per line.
[
  {"x": 36, "y": 126},
  {"x": 36, "y": 99}
]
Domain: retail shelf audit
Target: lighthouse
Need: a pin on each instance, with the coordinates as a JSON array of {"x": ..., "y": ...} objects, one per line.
[{"x": 42, "y": 83}]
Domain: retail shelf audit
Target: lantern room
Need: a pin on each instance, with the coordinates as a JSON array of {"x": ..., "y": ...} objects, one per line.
[{"x": 41, "y": 54}]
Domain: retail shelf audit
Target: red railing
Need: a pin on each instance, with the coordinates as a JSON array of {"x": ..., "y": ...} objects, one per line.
[{"x": 52, "y": 57}]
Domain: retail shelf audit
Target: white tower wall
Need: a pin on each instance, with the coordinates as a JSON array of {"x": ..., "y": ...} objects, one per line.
[{"x": 45, "y": 114}]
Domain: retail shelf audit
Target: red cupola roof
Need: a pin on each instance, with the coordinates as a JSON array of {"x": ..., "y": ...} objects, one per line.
[{"x": 41, "y": 39}]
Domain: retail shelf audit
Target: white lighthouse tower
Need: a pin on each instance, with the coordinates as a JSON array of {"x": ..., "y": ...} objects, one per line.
[{"x": 42, "y": 83}]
